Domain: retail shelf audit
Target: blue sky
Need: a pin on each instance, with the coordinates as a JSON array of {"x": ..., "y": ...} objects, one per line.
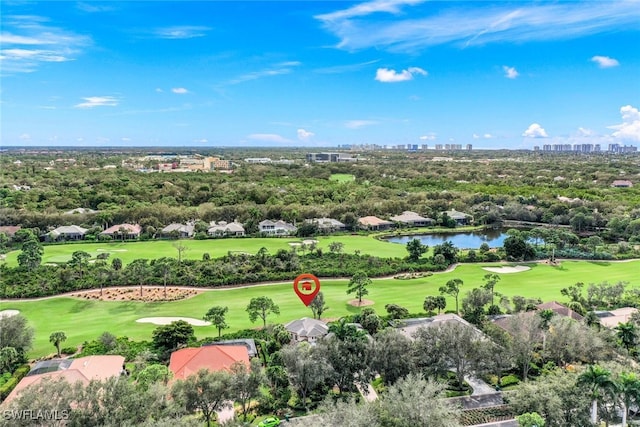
[{"x": 320, "y": 73}]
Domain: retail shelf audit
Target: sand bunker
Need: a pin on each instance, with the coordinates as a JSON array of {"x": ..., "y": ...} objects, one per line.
[
  {"x": 364, "y": 302},
  {"x": 8, "y": 313},
  {"x": 167, "y": 320},
  {"x": 514, "y": 269}
]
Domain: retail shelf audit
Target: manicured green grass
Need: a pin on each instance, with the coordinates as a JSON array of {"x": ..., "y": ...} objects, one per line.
[
  {"x": 342, "y": 177},
  {"x": 129, "y": 251},
  {"x": 83, "y": 320}
]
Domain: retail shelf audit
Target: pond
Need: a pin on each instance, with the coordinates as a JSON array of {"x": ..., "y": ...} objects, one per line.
[{"x": 465, "y": 240}]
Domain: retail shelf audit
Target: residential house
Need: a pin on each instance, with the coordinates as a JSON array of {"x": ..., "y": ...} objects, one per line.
[
  {"x": 224, "y": 229},
  {"x": 123, "y": 231},
  {"x": 80, "y": 211},
  {"x": 277, "y": 228},
  {"x": 412, "y": 219},
  {"x": 67, "y": 232},
  {"x": 10, "y": 230},
  {"x": 622, "y": 183},
  {"x": 559, "y": 309},
  {"x": 307, "y": 329},
  {"x": 328, "y": 225},
  {"x": 408, "y": 327},
  {"x": 181, "y": 231},
  {"x": 374, "y": 223},
  {"x": 249, "y": 343},
  {"x": 188, "y": 361},
  {"x": 83, "y": 369},
  {"x": 460, "y": 218},
  {"x": 613, "y": 318}
]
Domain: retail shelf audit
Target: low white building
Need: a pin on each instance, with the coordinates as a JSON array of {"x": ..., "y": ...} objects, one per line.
[
  {"x": 307, "y": 329},
  {"x": 224, "y": 229},
  {"x": 277, "y": 228},
  {"x": 412, "y": 219},
  {"x": 181, "y": 230},
  {"x": 67, "y": 232}
]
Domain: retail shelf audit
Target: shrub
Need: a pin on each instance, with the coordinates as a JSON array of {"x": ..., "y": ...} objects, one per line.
[
  {"x": 68, "y": 350},
  {"x": 12, "y": 382},
  {"x": 4, "y": 378},
  {"x": 509, "y": 380}
]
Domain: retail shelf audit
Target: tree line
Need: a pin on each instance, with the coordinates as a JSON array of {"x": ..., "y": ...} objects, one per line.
[{"x": 492, "y": 192}]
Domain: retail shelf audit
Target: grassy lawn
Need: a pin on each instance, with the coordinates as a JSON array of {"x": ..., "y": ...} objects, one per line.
[
  {"x": 83, "y": 320},
  {"x": 129, "y": 251},
  {"x": 342, "y": 177}
]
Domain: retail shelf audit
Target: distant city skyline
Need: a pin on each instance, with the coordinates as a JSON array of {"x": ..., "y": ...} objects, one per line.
[{"x": 493, "y": 74}]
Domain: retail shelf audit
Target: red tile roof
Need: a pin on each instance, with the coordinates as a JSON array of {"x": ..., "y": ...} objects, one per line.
[
  {"x": 130, "y": 228},
  {"x": 189, "y": 361},
  {"x": 9, "y": 230},
  {"x": 83, "y": 369},
  {"x": 372, "y": 221}
]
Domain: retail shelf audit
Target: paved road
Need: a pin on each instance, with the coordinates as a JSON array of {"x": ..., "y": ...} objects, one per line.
[{"x": 479, "y": 386}]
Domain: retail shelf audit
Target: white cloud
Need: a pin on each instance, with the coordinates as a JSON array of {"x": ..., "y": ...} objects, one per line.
[
  {"x": 269, "y": 137},
  {"x": 304, "y": 135},
  {"x": 629, "y": 129},
  {"x": 275, "y": 70},
  {"x": 93, "y": 8},
  {"x": 98, "y": 101},
  {"x": 28, "y": 41},
  {"x": 289, "y": 64},
  {"x": 510, "y": 72},
  {"x": 605, "y": 61},
  {"x": 535, "y": 131},
  {"x": 159, "y": 90},
  {"x": 429, "y": 137},
  {"x": 357, "y": 124},
  {"x": 367, "y": 8},
  {"x": 406, "y": 26},
  {"x": 584, "y": 132},
  {"x": 201, "y": 141},
  {"x": 182, "y": 32},
  {"x": 485, "y": 136},
  {"x": 125, "y": 139},
  {"x": 25, "y": 137},
  {"x": 387, "y": 75},
  {"x": 179, "y": 90}
]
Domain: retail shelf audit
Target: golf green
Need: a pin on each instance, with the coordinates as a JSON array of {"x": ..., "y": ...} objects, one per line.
[{"x": 84, "y": 320}]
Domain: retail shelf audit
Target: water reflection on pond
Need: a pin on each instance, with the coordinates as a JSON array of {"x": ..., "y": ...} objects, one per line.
[{"x": 465, "y": 240}]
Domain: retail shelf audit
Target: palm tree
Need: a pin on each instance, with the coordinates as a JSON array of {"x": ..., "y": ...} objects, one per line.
[
  {"x": 56, "y": 339},
  {"x": 627, "y": 333},
  {"x": 600, "y": 383},
  {"x": 592, "y": 320},
  {"x": 452, "y": 287},
  {"x": 628, "y": 389},
  {"x": 163, "y": 267},
  {"x": 546, "y": 315}
]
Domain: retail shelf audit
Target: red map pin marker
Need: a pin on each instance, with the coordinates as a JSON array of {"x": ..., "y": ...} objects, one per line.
[{"x": 307, "y": 287}]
